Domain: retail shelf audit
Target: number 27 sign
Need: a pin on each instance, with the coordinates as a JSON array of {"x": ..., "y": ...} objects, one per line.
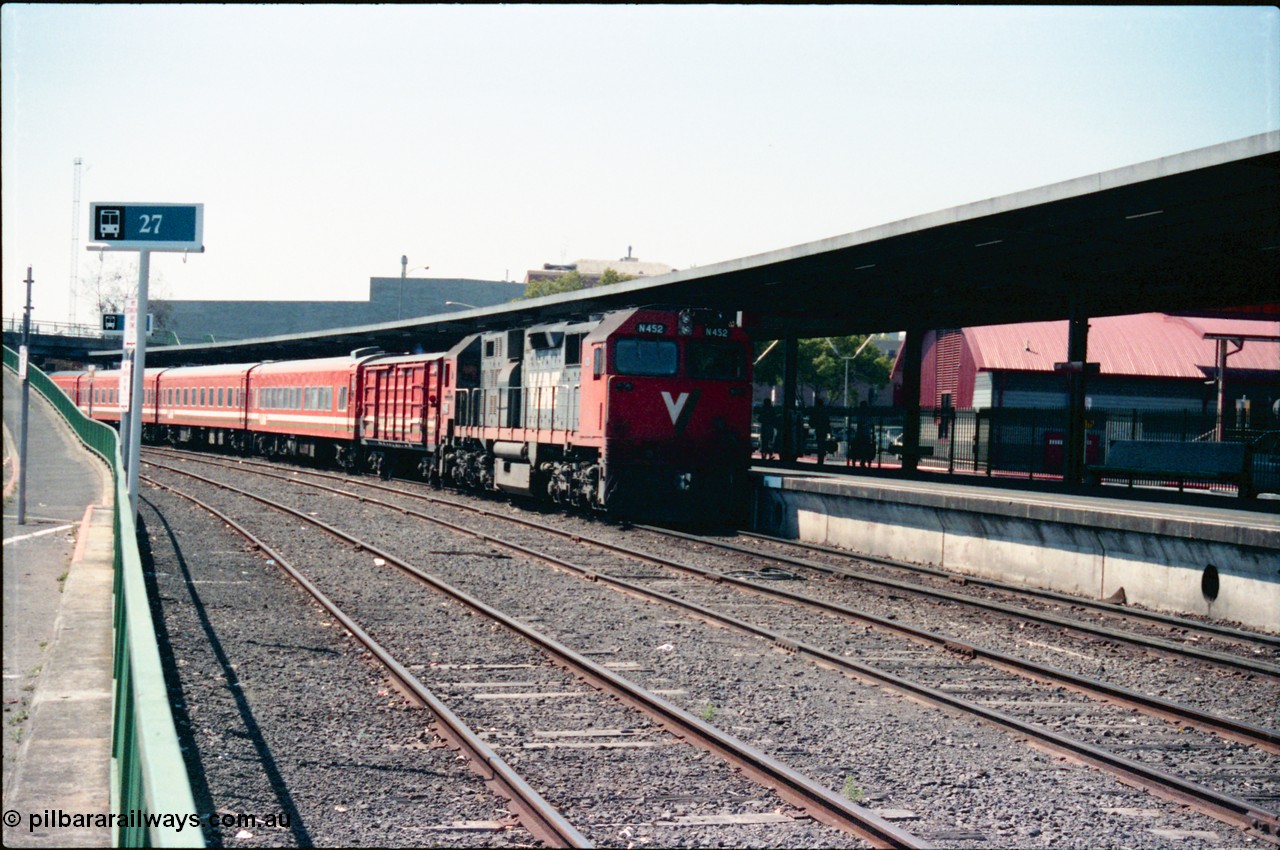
[{"x": 154, "y": 227}]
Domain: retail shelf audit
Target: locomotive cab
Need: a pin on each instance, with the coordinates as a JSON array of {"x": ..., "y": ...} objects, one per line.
[{"x": 669, "y": 398}]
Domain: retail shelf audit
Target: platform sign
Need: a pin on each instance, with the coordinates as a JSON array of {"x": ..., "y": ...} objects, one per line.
[
  {"x": 130, "y": 324},
  {"x": 146, "y": 227},
  {"x": 126, "y": 384},
  {"x": 113, "y": 323}
]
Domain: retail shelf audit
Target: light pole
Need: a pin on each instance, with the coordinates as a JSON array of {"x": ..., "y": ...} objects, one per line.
[
  {"x": 23, "y": 366},
  {"x": 460, "y": 304},
  {"x": 404, "y": 272}
]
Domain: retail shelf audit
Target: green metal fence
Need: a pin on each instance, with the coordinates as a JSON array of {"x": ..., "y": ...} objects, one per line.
[{"x": 149, "y": 778}]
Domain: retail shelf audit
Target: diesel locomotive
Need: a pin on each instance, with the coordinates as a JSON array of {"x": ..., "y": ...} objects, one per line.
[{"x": 644, "y": 412}]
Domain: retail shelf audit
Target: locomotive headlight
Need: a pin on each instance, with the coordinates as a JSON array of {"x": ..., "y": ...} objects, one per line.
[{"x": 684, "y": 481}]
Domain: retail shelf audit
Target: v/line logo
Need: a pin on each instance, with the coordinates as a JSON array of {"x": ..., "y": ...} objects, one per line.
[{"x": 680, "y": 408}]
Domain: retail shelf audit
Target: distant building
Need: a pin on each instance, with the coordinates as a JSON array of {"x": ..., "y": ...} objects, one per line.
[
  {"x": 390, "y": 299},
  {"x": 592, "y": 270},
  {"x": 1147, "y": 362}
]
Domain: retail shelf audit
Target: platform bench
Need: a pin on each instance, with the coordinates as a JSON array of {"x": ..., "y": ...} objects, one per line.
[{"x": 1218, "y": 462}]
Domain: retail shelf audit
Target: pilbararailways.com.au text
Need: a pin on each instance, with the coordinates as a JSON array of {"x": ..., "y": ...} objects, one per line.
[{"x": 136, "y": 818}]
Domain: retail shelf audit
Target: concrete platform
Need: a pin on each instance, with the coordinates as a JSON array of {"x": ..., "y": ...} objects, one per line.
[
  {"x": 1221, "y": 562},
  {"x": 57, "y": 634}
]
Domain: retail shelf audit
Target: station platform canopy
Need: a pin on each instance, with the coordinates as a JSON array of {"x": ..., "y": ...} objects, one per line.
[{"x": 1193, "y": 231}]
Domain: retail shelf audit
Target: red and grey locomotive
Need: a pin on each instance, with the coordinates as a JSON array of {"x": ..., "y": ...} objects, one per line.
[{"x": 642, "y": 412}]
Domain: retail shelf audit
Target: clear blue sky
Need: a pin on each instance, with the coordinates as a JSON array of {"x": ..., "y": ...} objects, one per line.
[{"x": 327, "y": 141}]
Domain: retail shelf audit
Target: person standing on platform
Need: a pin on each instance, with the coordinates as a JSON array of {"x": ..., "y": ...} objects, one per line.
[
  {"x": 862, "y": 450},
  {"x": 820, "y": 422},
  {"x": 768, "y": 430}
]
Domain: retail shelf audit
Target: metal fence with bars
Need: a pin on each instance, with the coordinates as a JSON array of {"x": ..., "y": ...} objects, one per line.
[{"x": 1030, "y": 443}]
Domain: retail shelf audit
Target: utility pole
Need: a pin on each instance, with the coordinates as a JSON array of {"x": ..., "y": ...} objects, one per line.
[
  {"x": 23, "y": 366},
  {"x": 75, "y": 244}
]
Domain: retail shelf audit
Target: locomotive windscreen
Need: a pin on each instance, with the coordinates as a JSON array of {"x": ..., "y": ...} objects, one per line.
[
  {"x": 647, "y": 357},
  {"x": 717, "y": 361}
]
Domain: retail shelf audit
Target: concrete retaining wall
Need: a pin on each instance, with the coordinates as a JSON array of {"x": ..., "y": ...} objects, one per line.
[{"x": 1219, "y": 567}]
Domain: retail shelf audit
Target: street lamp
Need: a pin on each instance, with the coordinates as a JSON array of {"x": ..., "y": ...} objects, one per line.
[
  {"x": 460, "y": 304},
  {"x": 404, "y": 272},
  {"x": 846, "y": 360}
]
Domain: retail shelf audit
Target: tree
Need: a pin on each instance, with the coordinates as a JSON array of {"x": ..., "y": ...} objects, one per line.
[
  {"x": 820, "y": 369},
  {"x": 610, "y": 276},
  {"x": 113, "y": 282},
  {"x": 570, "y": 281},
  {"x": 567, "y": 282}
]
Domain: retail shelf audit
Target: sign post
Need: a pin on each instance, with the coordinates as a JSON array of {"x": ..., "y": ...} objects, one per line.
[{"x": 142, "y": 227}]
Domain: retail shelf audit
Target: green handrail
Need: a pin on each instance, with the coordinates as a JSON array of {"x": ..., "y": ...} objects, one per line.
[{"x": 148, "y": 775}]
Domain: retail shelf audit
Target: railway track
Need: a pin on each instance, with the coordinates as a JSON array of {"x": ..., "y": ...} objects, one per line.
[
  {"x": 535, "y": 814},
  {"x": 1181, "y": 629},
  {"x": 997, "y": 695},
  {"x": 816, "y": 801},
  {"x": 1253, "y": 652}
]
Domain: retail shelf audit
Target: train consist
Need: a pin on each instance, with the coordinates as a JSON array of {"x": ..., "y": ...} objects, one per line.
[{"x": 641, "y": 412}]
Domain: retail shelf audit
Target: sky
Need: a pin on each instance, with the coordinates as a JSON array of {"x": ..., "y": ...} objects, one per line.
[{"x": 325, "y": 142}]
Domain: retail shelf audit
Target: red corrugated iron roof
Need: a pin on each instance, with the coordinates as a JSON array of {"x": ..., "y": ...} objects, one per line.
[{"x": 1148, "y": 344}]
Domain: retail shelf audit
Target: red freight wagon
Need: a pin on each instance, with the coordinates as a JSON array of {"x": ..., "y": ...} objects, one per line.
[{"x": 400, "y": 409}]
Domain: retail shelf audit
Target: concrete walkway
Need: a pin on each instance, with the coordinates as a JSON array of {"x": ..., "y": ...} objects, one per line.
[{"x": 57, "y": 634}]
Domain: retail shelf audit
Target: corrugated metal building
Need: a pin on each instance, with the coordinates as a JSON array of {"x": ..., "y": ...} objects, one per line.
[{"x": 1150, "y": 362}]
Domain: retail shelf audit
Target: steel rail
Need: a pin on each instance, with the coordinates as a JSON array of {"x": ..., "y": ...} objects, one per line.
[
  {"x": 1226, "y": 727},
  {"x": 535, "y": 814},
  {"x": 1248, "y": 664},
  {"x": 1224, "y": 807},
  {"x": 1067, "y": 599},
  {"x": 819, "y": 802}
]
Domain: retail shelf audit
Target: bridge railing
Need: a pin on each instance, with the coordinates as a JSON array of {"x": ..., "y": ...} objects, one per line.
[
  {"x": 14, "y": 325},
  {"x": 148, "y": 774}
]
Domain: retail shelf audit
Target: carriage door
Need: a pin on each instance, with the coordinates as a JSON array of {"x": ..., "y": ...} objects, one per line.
[{"x": 370, "y": 414}]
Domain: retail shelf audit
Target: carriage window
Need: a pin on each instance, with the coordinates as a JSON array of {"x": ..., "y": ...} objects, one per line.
[
  {"x": 342, "y": 398},
  {"x": 715, "y": 360},
  {"x": 221, "y": 399},
  {"x": 646, "y": 357}
]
